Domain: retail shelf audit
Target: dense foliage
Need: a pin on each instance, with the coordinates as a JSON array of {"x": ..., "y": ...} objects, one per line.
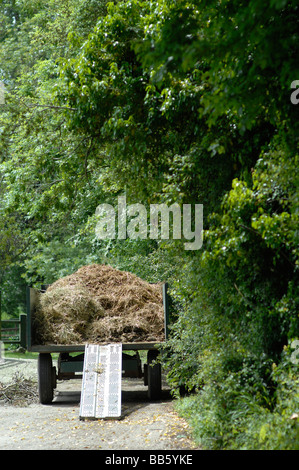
[{"x": 185, "y": 102}]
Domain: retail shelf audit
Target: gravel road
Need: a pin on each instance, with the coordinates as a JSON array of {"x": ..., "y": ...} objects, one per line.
[{"x": 143, "y": 425}]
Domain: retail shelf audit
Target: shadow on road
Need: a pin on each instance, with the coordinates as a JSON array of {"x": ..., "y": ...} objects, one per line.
[
  {"x": 134, "y": 396},
  {"x": 5, "y": 363}
]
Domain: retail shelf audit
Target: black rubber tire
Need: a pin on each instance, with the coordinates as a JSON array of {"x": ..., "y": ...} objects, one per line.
[
  {"x": 153, "y": 376},
  {"x": 145, "y": 377},
  {"x": 46, "y": 378}
]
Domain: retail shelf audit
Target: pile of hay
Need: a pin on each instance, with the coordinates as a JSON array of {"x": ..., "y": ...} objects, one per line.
[{"x": 99, "y": 304}]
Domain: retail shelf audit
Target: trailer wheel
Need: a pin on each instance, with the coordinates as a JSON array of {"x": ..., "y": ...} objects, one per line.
[
  {"x": 145, "y": 375},
  {"x": 153, "y": 376},
  {"x": 46, "y": 378}
]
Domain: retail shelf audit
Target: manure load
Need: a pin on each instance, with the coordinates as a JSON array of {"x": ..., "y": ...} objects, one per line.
[{"x": 99, "y": 304}]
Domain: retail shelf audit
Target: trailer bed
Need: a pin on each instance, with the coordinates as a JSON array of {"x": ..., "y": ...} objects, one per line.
[
  {"x": 68, "y": 367},
  {"x": 57, "y": 348},
  {"x": 60, "y": 348}
]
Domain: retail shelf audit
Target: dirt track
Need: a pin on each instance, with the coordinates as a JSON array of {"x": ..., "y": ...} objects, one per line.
[{"x": 144, "y": 424}]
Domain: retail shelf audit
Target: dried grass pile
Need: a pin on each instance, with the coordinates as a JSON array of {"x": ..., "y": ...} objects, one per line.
[{"x": 99, "y": 304}]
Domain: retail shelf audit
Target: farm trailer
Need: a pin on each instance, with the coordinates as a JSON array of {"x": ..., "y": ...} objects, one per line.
[{"x": 71, "y": 367}]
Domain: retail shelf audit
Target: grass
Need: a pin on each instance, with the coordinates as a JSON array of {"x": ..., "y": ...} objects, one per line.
[
  {"x": 17, "y": 355},
  {"x": 27, "y": 355}
]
